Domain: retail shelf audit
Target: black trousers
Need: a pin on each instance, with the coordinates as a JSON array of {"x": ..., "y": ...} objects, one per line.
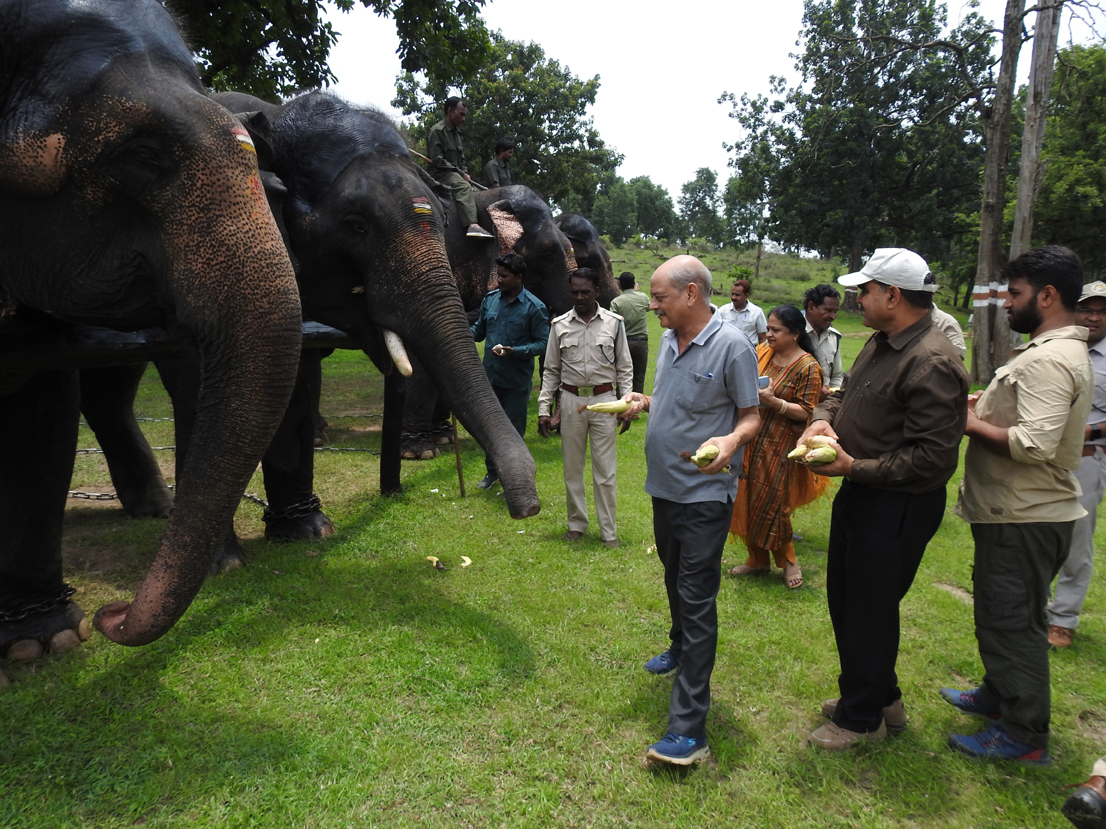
[
  {"x": 639, "y": 356},
  {"x": 690, "y": 539},
  {"x": 877, "y": 539}
]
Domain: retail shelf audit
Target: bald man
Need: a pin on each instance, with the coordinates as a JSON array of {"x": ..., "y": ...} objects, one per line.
[{"x": 704, "y": 393}]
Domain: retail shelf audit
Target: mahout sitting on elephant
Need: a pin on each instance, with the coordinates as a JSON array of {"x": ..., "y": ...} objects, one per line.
[
  {"x": 129, "y": 200},
  {"x": 366, "y": 235}
]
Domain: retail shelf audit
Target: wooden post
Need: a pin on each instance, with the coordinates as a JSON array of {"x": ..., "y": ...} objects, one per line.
[
  {"x": 457, "y": 453},
  {"x": 391, "y": 434}
]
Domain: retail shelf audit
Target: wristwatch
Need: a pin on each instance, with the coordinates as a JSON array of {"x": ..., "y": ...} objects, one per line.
[{"x": 1096, "y": 433}]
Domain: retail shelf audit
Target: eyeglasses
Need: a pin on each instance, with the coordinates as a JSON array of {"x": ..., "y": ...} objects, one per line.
[{"x": 1091, "y": 312}]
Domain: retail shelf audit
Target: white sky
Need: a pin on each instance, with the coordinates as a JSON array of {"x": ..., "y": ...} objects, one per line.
[{"x": 662, "y": 67}]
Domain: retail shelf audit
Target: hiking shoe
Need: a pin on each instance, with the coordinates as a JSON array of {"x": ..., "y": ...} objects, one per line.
[
  {"x": 663, "y": 664},
  {"x": 894, "y": 715},
  {"x": 994, "y": 743},
  {"x": 832, "y": 737},
  {"x": 488, "y": 480},
  {"x": 678, "y": 750},
  {"x": 971, "y": 702}
]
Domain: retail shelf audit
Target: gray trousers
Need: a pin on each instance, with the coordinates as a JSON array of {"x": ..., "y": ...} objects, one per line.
[
  {"x": 1075, "y": 575},
  {"x": 602, "y": 430},
  {"x": 1014, "y": 565}
]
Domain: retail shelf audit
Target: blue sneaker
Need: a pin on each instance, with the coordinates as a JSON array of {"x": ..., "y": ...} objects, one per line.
[
  {"x": 971, "y": 702},
  {"x": 994, "y": 743},
  {"x": 663, "y": 664},
  {"x": 679, "y": 750}
]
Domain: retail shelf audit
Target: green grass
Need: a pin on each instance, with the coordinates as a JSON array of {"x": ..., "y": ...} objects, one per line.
[{"x": 345, "y": 682}]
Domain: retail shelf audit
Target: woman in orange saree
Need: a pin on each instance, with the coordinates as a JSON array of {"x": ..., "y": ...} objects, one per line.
[{"x": 772, "y": 486}]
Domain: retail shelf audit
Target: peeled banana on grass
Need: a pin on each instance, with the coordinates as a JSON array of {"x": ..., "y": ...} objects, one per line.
[
  {"x": 609, "y": 407},
  {"x": 816, "y": 450}
]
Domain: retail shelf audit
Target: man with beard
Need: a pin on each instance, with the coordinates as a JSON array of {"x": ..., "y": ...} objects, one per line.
[{"x": 1021, "y": 496}]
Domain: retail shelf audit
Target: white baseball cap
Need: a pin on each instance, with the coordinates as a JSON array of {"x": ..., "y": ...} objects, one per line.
[
  {"x": 893, "y": 266},
  {"x": 1094, "y": 289}
]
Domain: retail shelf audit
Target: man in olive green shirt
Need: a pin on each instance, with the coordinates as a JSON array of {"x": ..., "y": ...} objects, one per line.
[
  {"x": 1021, "y": 497},
  {"x": 496, "y": 171},
  {"x": 632, "y": 305},
  {"x": 446, "y": 149}
]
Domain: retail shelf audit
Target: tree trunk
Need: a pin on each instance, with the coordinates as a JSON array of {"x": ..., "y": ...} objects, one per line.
[
  {"x": 1040, "y": 85},
  {"x": 990, "y": 329}
]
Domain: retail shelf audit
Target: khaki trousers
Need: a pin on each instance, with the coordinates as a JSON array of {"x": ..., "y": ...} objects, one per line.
[{"x": 576, "y": 430}]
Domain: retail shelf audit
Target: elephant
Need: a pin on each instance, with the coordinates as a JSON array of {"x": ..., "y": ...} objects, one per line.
[
  {"x": 521, "y": 221},
  {"x": 365, "y": 234},
  {"x": 128, "y": 200},
  {"x": 589, "y": 250}
]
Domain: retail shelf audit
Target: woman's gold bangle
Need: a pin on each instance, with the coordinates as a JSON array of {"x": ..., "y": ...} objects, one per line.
[{"x": 783, "y": 406}]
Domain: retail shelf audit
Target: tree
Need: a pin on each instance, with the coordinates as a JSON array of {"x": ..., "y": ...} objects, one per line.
[
  {"x": 879, "y": 144},
  {"x": 272, "y": 48},
  {"x": 656, "y": 215},
  {"x": 1071, "y": 206},
  {"x": 520, "y": 94},
  {"x": 614, "y": 213},
  {"x": 699, "y": 207}
]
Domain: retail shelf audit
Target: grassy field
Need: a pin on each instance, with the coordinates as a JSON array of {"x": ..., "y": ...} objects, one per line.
[{"x": 346, "y": 682}]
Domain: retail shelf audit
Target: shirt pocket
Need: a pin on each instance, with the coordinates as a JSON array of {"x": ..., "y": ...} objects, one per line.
[
  {"x": 695, "y": 392},
  {"x": 605, "y": 349},
  {"x": 879, "y": 414},
  {"x": 572, "y": 351}
]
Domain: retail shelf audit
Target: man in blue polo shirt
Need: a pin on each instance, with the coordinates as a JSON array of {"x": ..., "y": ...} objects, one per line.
[
  {"x": 516, "y": 326},
  {"x": 705, "y": 392}
]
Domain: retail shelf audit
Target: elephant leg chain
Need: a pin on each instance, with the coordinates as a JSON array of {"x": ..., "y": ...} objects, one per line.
[
  {"x": 39, "y": 607},
  {"x": 300, "y": 510}
]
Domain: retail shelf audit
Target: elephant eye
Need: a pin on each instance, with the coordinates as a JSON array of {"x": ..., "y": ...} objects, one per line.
[{"x": 355, "y": 225}]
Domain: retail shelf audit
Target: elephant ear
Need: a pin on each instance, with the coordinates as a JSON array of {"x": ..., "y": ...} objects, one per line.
[
  {"x": 34, "y": 164},
  {"x": 507, "y": 226}
]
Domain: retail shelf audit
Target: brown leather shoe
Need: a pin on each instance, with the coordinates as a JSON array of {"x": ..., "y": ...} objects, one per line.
[
  {"x": 1086, "y": 806},
  {"x": 894, "y": 715},
  {"x": 1060, "y": 637},
  {"x": 832, "y": 737}
]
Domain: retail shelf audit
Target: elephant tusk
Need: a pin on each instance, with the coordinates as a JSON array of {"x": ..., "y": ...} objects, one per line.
[{"x": 397, "y": 352}]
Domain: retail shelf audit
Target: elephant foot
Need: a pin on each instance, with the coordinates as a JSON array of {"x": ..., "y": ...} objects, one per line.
[
  {"x": 442, "y": 433},
  {"x": 146, "y": 502},
  {"x": 4, "y": 681},
  {"x": 230, "y": 557},
  {"x": 57, "y": 630},
  {"x": 298, "y": 522},
  {"x": 418, "y": 447}
]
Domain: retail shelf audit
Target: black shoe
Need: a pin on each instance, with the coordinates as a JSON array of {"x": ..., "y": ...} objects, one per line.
[
  {"x": 1086, "y": 808},
  {"x": 489, "y": 479}
]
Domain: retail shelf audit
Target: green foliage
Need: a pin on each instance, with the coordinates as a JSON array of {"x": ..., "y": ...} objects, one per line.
[
  {"x": 622, "y": 209},
  {"x": 273, "y": 48},
  {"x": 699, "y": 203},
  {"x": 879, "y": 144},
  {"x": 614, "y": 212},
  {"x": 520, "y": 94},
  {"x": 656, "y": 216},
  {"x": 1071, "y": 206}
]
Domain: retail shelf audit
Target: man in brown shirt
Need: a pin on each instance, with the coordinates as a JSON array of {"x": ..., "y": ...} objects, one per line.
[{"x": 897, "y": 422}]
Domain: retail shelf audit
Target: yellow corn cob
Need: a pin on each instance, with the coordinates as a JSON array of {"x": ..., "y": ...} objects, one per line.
[
  {"x": 705, "y": 455},
  {"x": 820, "y": 456},
  {"x": 609, "y": 407}
]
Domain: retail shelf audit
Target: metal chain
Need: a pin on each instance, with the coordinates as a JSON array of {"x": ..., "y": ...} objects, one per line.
[
  {"x": 300, "y": 510},
  {"x": 101, "y": 451},
  {"x": 40, "y": 607}
]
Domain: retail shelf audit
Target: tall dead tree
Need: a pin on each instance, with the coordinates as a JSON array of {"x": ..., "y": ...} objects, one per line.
[
  {"x": 990, "y": 329},
  {"x": 1045, "y": 38}
]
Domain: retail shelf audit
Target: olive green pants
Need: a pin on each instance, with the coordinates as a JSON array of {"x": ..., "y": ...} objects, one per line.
[
  {"x": 463, "y": 196},
  {"x": 1014, "y": 566}
]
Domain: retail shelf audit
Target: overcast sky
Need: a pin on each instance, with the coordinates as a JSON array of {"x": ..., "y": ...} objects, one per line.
[{"x": 662, "y": 67}]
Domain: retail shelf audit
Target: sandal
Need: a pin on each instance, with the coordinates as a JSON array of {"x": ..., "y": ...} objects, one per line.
[
  {"x": 746, "y": 570},
  {"x": 794, "y": 576}
]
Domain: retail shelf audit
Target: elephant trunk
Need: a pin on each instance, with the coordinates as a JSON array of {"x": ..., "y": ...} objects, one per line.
[
  {"x": 446, "y": 351},
  {"x": 235, "y": 296}
]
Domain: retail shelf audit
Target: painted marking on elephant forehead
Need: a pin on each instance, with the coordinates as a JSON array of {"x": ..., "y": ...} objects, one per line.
[
  {"x": 421, "y": 205},
  {"x": 244, "y": 137}
]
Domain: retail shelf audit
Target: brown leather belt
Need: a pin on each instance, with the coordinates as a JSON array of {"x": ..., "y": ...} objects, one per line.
[
  {"x": 1088, "y": 449},
  {"x": 587, "y": 391}
]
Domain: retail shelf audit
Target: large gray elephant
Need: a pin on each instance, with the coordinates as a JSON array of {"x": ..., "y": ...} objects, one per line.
[
  {"x": 586, "y": 244},
  {"x": 366, "y": 236},
  {"x": 521, "y": 221},
  {"x": 128, "y": 199}
]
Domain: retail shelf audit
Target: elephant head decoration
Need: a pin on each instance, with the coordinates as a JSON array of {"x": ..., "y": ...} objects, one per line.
[{"x": 128, "y": 199}]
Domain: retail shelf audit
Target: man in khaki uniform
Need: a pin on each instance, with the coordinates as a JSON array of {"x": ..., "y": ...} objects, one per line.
[
  {"x": 588, "y": 358},
  {"x": 1021, "y": 497}
]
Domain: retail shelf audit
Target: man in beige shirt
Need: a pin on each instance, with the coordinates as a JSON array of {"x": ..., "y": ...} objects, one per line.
[
  {"x": 1021, "y": 496},
  {"x": 588, "y": 358}
]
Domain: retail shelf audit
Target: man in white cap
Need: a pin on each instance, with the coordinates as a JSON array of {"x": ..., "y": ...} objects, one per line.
[
  {"x": 1075, "y": 574},
  {"x": 1021, "y": 497},
  {"x": 897, "y": 421}
]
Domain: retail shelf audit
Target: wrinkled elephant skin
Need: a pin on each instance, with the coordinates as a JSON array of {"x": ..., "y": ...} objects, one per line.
[{"x": 129, "y": 200}]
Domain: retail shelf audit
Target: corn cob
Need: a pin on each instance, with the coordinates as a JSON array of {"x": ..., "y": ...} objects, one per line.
[{"x": 609, "y": 407}]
